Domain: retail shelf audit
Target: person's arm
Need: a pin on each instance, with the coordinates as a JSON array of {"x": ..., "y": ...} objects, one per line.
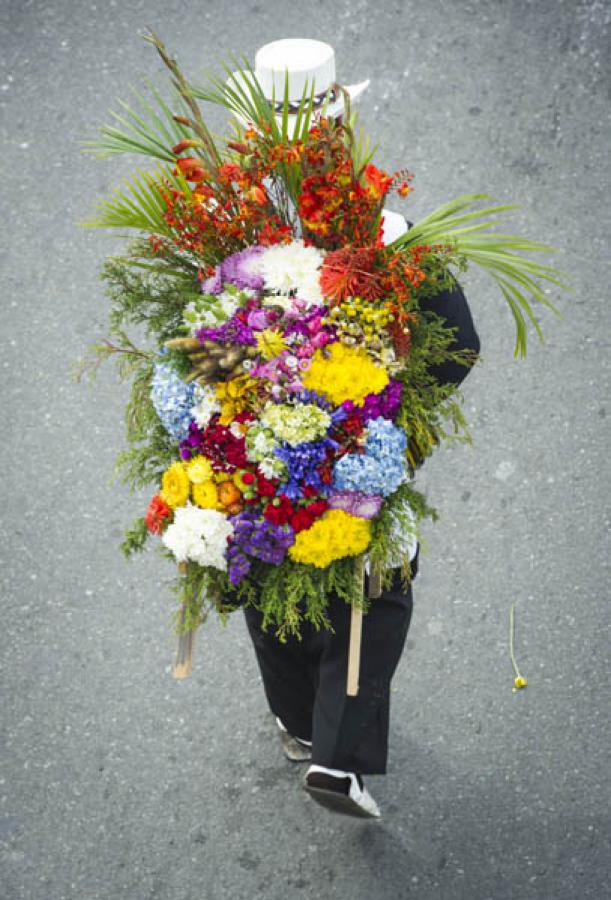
[{"x": 452, "y": 306}]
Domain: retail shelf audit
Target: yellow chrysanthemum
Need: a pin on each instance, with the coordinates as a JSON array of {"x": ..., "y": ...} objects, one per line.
[
  {"x": 175, "y": 485},
  {"x": 348, "y": 374},
  {"x": 199, "y": 469},
  {"x": 233, "y": 396},
  {"x": 270, "y": 343},
  {"x": 335, "y": 535},
  {"x": 205, "y": 494}
]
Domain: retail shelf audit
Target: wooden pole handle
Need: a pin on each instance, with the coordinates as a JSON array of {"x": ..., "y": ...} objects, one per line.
[
  {"x": 184, "y": 652},
  {"x": 356, "y": 631},
  {"x": 354, "y": 652}
]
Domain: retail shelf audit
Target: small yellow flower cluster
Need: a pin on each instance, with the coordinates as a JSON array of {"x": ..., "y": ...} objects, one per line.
[
  {"x": 196, "y": 480},
  {"x": 345, "y": 374},
  {"x": 359, "y": 321},
  {"x": 335, "y": 535}
]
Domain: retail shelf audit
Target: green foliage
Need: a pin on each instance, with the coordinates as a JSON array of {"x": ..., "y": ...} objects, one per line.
[
  {"x": 150, "y": 129},
  {"x": 135, "y": 538},
  {"x": 290, "y": 594},
  {"x": 499, "y": 254}
]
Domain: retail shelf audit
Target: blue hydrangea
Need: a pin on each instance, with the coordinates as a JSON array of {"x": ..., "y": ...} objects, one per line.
[
  {"x": 381, "y": 468},
  {"x": 173, "y": 400}
]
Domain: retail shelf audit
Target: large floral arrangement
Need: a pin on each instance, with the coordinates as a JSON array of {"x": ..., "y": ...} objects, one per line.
[{"x": 287, "y": 398}]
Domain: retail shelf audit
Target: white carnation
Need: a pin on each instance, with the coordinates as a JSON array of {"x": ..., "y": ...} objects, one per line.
[{"x": 199, "y": 535}]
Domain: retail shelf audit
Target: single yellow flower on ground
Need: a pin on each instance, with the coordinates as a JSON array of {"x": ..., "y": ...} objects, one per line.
[
  {"x": 205, "y": 495},
  {"x": 199, "y": 469},
  {"x": 519, "y": 682},
  {"x": 175, "y": 485},
  {"x": 335, "y": 535},
  {"x": 348, "y": 374}
]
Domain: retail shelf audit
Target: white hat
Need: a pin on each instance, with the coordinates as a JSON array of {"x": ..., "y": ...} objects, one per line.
[{"x": 307, "y": 62}]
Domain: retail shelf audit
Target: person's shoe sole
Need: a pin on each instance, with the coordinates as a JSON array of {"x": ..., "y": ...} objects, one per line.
[{"x": 339, "y": 803}]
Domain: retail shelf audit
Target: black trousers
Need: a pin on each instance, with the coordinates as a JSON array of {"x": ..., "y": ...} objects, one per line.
[{"x": 305, "y": 681}]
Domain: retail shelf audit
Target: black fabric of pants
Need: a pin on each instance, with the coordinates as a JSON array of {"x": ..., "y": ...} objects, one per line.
[{"x": 305, "y": 681}]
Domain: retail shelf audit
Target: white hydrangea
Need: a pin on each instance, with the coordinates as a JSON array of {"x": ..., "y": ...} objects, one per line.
[
  {"x": 207, "y": 404},
  {"x": 292, "y": 267},
  {"x": 199, "y": 535}
]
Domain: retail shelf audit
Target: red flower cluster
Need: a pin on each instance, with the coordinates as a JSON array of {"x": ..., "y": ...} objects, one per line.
[
  {"x": 280, "y": 511},
  {"x": 351, "y": 272},
  {"x": 225, "y": 451},
  {"x": 157, "y": 515}
]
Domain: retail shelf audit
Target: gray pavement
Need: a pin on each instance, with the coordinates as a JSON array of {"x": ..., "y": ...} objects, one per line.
[{"x": 117, "y": 781}]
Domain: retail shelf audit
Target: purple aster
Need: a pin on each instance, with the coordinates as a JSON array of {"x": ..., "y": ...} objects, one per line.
[{"x": 240, "y": 269}]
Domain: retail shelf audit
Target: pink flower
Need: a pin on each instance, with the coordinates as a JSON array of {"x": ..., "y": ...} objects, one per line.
[{"x": 258, "y": 318}]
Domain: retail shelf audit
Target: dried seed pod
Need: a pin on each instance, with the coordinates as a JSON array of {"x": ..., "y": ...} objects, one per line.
[{"x": 186, "y": 344}]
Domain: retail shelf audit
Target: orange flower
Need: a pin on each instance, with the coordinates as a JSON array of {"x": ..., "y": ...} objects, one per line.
[
  {"x": 349, "y": 272},
  {"x": 378, "y": 181},
  {"x": 191, "y": 169},
  {"x": 183, "y": 145},
  {"x": 257, "y": 194}
]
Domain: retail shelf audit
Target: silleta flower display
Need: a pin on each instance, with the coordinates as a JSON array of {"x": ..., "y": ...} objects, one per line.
[{"x": 287, "y": 398}]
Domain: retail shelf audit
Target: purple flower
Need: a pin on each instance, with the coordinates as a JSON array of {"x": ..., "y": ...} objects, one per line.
[
  {"x": 239, "y": 269},
  {"x": 366, "y": 506},
  {"x": 233, "y": 331},
  {"x": 384, "y": 405},
  {"x": 303, "y": 463},
  {"x": 214, "y": 284},
  {"x": 255, "y": 538}
]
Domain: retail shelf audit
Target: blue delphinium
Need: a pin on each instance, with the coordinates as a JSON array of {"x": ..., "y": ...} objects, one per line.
[
  {"x": 173, "y": 400},
  {"x": 381, "y": 468}
]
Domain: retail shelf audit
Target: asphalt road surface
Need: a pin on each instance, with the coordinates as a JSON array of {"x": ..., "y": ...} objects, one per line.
[{"x": 119, "y": 783}]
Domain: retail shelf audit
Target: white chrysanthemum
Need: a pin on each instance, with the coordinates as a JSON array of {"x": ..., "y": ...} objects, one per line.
[
  {"x": 199, "y": 535},
  {"x": 292, "y": 267},
  {"x": 272, "y": 467},
  {"x": 207, "y": 404}
]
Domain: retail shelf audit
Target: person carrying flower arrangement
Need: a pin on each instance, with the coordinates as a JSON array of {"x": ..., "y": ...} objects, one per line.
[{"x": 311, "y": 347}]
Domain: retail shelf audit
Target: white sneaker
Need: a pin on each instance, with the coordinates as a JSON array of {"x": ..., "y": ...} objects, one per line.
[
  {"x": 296, "y": 749},
  {"x": 342, "y": 792}
]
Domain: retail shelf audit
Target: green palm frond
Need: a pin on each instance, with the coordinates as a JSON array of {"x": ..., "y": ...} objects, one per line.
[
  {"x": 141, "y": 203},
  {"x": 251, "y": 105},
  {"x": 148, "y": 128},
  {"x": 519, "y": 278}
]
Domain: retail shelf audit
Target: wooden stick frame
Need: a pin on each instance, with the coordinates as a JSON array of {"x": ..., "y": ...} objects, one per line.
[{"x": 356, "y": 625}]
